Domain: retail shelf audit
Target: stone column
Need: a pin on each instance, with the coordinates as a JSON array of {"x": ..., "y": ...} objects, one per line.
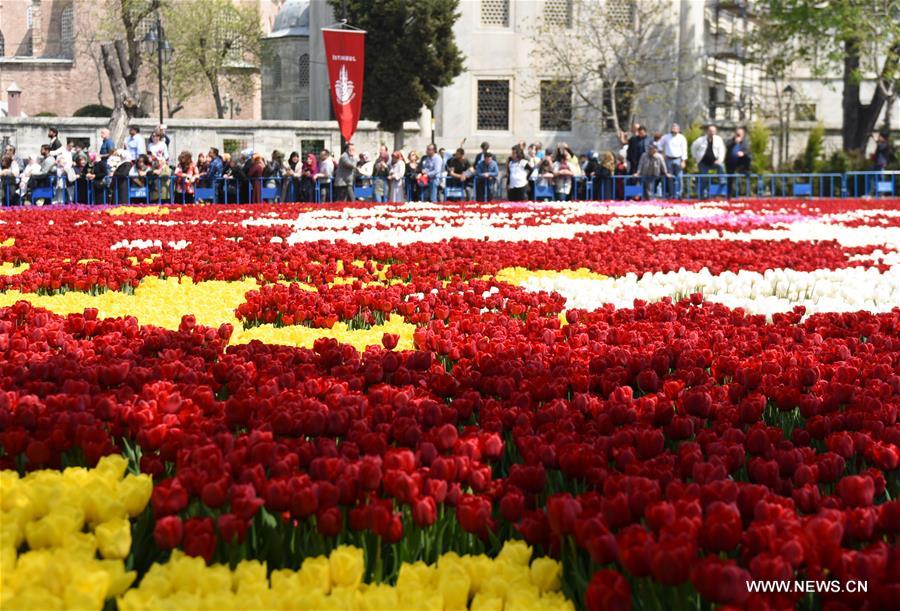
[{"x": 37, "y": 29}]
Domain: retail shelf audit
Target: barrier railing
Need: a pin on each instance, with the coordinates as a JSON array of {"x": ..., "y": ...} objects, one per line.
[
  {"x": 872, "y": 184},
  {"x": 153, "y": 189}
]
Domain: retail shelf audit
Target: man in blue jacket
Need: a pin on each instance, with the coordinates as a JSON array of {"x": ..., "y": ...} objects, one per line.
[
  {"x": 215, "y": 172},
  {"x": 737, "y": 160},
  {"x": 432, "y": 167},
  {"x": 486, "y": 172}
]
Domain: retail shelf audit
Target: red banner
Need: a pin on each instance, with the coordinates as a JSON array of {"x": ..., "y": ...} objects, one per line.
[{"x": 345, "y": 53}]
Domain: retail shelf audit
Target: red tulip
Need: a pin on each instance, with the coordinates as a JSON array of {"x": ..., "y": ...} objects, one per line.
[
  {"x": 168, "y": 532},
  {"x": 608, "y": 591}
]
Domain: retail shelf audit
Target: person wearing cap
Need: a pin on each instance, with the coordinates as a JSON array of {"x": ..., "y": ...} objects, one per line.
[{"x": 161, "y": 130}]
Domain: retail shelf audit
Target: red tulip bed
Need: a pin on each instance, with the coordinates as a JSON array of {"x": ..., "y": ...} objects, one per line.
[{"x": 479, "y": 406}]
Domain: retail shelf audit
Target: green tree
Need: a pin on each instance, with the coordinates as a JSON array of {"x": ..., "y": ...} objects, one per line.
[
  {"x": 121, "y": 56},
  {"x": 690, "y": 134},
  {"x": 860, "y": 37},
  {"x": 612, "y": 68},
  {"x": 809, "y": 159},
  {"x": 219, "y": 41},
  {"x": 411, "y": 52},
  {"x": 760, "y": 155}
]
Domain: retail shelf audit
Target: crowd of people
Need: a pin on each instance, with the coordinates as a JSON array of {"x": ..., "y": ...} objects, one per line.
[{"x": 146, "y": 169}]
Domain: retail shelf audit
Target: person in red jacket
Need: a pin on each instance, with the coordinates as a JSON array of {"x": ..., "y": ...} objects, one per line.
[{"x": 255, "y": 173}]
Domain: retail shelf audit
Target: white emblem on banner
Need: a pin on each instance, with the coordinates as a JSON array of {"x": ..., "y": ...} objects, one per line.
[{"x": 343, "y": 87}]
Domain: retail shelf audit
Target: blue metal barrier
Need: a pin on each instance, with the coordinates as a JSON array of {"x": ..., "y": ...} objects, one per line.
[
  {"x": 872, "y": 184},
  {"x": 484, "y": 188},
  {"x": 153, "y": 189},
  {"x": 543, "y": 190},
  {"x": 320, "y": 190},
  {"x": 800, "y": 185},
  {"x": 455, "y": 190}
]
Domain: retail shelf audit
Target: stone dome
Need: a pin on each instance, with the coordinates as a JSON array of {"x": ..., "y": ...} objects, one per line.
[{"x": 292, "y": 19}]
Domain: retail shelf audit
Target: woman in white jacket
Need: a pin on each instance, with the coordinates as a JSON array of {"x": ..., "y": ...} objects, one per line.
[
  {"x": 396, "y": 172},
  {"x": 64, "y": 181}
]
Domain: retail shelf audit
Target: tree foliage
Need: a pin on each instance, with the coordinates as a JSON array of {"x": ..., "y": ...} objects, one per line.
[
  {"x": 122, "y": 59},
  {"x": 860, "y": 38},
  {"x": 612, "y": 62},
  {"x": 217, "y": 46},
  {"x": 690, "y": 134},
  {"x": 760, "y": 155},
  {"x": 411, "y": 52},
  {"x": 810, "y": 159}
]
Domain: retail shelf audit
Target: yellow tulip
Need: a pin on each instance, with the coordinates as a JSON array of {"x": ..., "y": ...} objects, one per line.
[
  {"x": 557, "y": 600},
  {"x": 33, "y": 598},
  {"x": 119, "y": 579},
  {"x": 51, "y": 530},
  {"x": 486, "y": 602},
  {"x": 112, "y": 466},
  {"x": 478, "y": 567},
  {"x": 426, "y": 599},
  {"x": 347, "y": 566},
  {"x": 81, "y": 545},
  {"x": 100, "y": 501},
  {"x": 87, "y": 589},
  {"x": 454, "y": 585},
  {"x": 416, "y": 576},
  {"x": 114, "y": 538},
  {"x": 377, "y": 597},
  {"x": 545, "y": 574},
  {"x": 249, "y": 575},
  {"x": 315, "y": 574},
  {"x": 526, "y": 597},
  {"x": 516, "y": 552},
  {"x": 134, "y": 491}
]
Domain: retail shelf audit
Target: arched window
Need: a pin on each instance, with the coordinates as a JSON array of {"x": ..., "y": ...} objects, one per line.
[
  {"x": 67, "y": 31},
  {"x": 29, "y": 23},
  {"x": 276, "y": 72},
  {"x": 304, "y": 70}
]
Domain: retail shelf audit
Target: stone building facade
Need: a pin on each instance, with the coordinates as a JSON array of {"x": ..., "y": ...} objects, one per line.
[
  {"x": 51, "y": 50},
  {"x": 295, "y": 63}
]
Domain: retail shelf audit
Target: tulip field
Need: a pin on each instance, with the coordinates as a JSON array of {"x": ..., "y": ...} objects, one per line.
[{"x": 588, "y": 405}]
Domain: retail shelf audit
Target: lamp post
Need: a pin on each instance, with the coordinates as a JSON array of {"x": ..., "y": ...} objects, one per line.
[
  {"x": 786, "y": 147},
  {"x": 231, "y": 105},
  {"x": 155, "y": 41}
]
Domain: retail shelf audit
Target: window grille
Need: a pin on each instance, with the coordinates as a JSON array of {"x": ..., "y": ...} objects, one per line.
[
  {"x": 558, "y": 13},
  {"x": 67, "y": 31},
  {"x": 304, "y": 70},
  {"x": 495, "y": 13},
  {"x": 620, "y": 13},
  {"x": 493, "y": 105}
]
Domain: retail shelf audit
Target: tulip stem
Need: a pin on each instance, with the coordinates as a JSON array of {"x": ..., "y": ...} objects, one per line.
[{"x": 379, "y": 563}]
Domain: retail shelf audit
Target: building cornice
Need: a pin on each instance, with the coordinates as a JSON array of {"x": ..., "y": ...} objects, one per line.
[{"x": 36, "y": 61}]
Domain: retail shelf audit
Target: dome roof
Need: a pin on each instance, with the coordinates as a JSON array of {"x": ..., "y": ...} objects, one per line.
[{"x": 292, "y": 19}]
